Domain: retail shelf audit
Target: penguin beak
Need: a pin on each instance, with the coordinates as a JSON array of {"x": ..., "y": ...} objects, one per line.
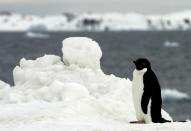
[{"x": 134, "y": 62}]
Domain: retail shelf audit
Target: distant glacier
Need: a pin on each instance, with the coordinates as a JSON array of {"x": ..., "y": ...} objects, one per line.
[{"x": 96, "y": 21}]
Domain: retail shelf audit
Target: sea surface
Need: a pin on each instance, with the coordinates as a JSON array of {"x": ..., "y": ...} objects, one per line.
[{"x": 168, "y": 51}]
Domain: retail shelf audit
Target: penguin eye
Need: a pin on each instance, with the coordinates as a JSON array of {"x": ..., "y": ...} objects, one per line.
[{"x": 144, "y": 64}]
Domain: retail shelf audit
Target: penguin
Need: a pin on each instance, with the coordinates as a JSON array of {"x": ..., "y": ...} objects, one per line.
[{"x": 146, "y": 93}]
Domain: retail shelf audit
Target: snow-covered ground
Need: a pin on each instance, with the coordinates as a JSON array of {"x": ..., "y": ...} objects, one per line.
[
  {"x": 71, "y": 93},
  {"x": 97, "y": 21}
]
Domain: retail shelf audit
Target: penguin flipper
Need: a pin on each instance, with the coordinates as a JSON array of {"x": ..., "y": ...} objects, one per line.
[
  {"x": 145, "y": 101},
  {"x": 147, "y": 91}
]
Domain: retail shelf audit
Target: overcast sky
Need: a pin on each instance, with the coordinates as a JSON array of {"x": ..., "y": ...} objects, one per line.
[{"x": 59, "y": 6}]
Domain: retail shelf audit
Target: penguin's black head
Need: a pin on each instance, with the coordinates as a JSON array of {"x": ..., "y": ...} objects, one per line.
[{"x": 142, "y": 63}]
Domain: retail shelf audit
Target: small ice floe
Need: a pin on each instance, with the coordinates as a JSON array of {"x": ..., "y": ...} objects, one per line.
[
  {"x": 171, "y": 44},
  {"x": 37, "y": 31},
  {"x": 174, "y": 95},
  {"x": 36, "y": 35}
]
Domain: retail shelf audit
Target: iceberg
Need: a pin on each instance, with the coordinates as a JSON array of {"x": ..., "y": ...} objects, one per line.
[{"x": 37, "y": 31}]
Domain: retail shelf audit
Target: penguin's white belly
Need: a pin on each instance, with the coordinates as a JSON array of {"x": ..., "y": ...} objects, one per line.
[{"x": 137, "y": 90}]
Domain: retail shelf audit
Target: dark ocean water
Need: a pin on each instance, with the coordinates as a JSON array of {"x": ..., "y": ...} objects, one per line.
[{"x": 172, "y": 64}]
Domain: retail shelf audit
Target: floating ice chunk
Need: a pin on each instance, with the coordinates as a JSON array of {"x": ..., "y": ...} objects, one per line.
[
  {"x": 37, "y": 31},
  {"x": 171, "y": 44},
  {"x": 38, "y": 28},
  {"x": 37, "y": 35},
  {"x": 173, "y": 95},
  {"x": 81, "y": 51}
]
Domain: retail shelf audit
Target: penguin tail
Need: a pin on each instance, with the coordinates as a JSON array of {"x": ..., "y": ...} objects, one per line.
[
  {"x": 164, "y": 120},
  {"x": 179, "y": 121}
]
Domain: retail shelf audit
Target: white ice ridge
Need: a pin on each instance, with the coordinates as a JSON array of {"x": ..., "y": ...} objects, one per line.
[
  {"x": 95, "y": 22},
  {"x": 51, "y": 95}
]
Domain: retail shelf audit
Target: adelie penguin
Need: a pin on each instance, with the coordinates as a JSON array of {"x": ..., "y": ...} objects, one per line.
[{"x": 147, "y": 94}]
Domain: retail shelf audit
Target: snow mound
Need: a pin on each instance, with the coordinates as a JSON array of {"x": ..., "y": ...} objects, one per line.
[
  {"x": 174, "y": 95},
  {"x": 77, "y": 90},
  {"x": 82, "y": 51}
]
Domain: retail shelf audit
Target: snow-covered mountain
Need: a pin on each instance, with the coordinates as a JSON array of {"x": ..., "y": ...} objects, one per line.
[{"x": 96, "y": 21}]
